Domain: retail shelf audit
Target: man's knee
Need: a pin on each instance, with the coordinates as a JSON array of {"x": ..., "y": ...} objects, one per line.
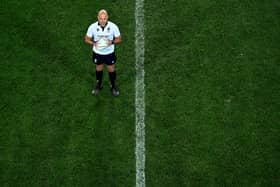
[
  {"x": 111, "y": 68},
  {"x": 99, "y": 67}
]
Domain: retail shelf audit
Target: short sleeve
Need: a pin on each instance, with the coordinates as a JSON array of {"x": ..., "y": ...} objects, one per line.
[
  {"x": 90, "y": 31},
  {"x": 116, "y": 31}
]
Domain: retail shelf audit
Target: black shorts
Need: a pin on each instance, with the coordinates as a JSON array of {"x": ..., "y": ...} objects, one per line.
[{"x": 109, "y": 59}]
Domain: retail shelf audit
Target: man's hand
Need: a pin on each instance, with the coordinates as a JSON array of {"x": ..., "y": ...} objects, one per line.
[{"x": 110, "y": 42}]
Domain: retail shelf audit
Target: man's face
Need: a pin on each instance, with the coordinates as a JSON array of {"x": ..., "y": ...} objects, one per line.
[{"x": 102, "y": 19}]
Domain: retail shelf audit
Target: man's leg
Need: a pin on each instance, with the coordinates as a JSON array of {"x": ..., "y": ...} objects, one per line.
[
  {"x": 112, "y": 77},
  {"x": 99, "y": 77}
]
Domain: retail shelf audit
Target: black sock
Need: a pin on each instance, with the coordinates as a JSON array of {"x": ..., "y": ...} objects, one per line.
[
  {"x": 113, "y": 76},
  {"x": 99, "y": 76}
]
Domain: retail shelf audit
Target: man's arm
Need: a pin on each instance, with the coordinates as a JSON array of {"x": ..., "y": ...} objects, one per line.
[
  {"x": 89, "y": 41},
  {"x": 116, "y": 40}
]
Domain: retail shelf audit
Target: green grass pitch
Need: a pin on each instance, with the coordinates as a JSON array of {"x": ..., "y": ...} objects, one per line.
[{"x": 212, "y": 95}]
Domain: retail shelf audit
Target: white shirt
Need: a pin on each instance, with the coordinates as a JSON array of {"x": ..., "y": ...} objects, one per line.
[{"x": 97, "y": 33}]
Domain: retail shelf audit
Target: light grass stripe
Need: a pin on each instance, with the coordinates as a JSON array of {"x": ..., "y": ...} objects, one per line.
[{"x": 140, "y": 94}]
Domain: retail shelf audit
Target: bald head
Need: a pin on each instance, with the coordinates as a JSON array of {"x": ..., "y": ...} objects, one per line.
[
  {"x": 102, "y": 17},
  {"x": 102, "y": 12}
]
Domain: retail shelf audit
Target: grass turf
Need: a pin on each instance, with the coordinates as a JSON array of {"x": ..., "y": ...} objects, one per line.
[
  {"x": 53, "y": 132},
  {"x": 212, "y": 85},
  {"x": 212, "y": 76}
]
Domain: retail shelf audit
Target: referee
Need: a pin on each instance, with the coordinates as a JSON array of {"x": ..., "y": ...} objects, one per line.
[{"x": 103, "y": 35}]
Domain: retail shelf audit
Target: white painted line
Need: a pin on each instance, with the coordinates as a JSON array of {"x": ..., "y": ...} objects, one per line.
[{"x": 140, "y": 94}]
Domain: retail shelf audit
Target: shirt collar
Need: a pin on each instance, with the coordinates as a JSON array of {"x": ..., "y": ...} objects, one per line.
[{"x": 105, "y": 24}]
